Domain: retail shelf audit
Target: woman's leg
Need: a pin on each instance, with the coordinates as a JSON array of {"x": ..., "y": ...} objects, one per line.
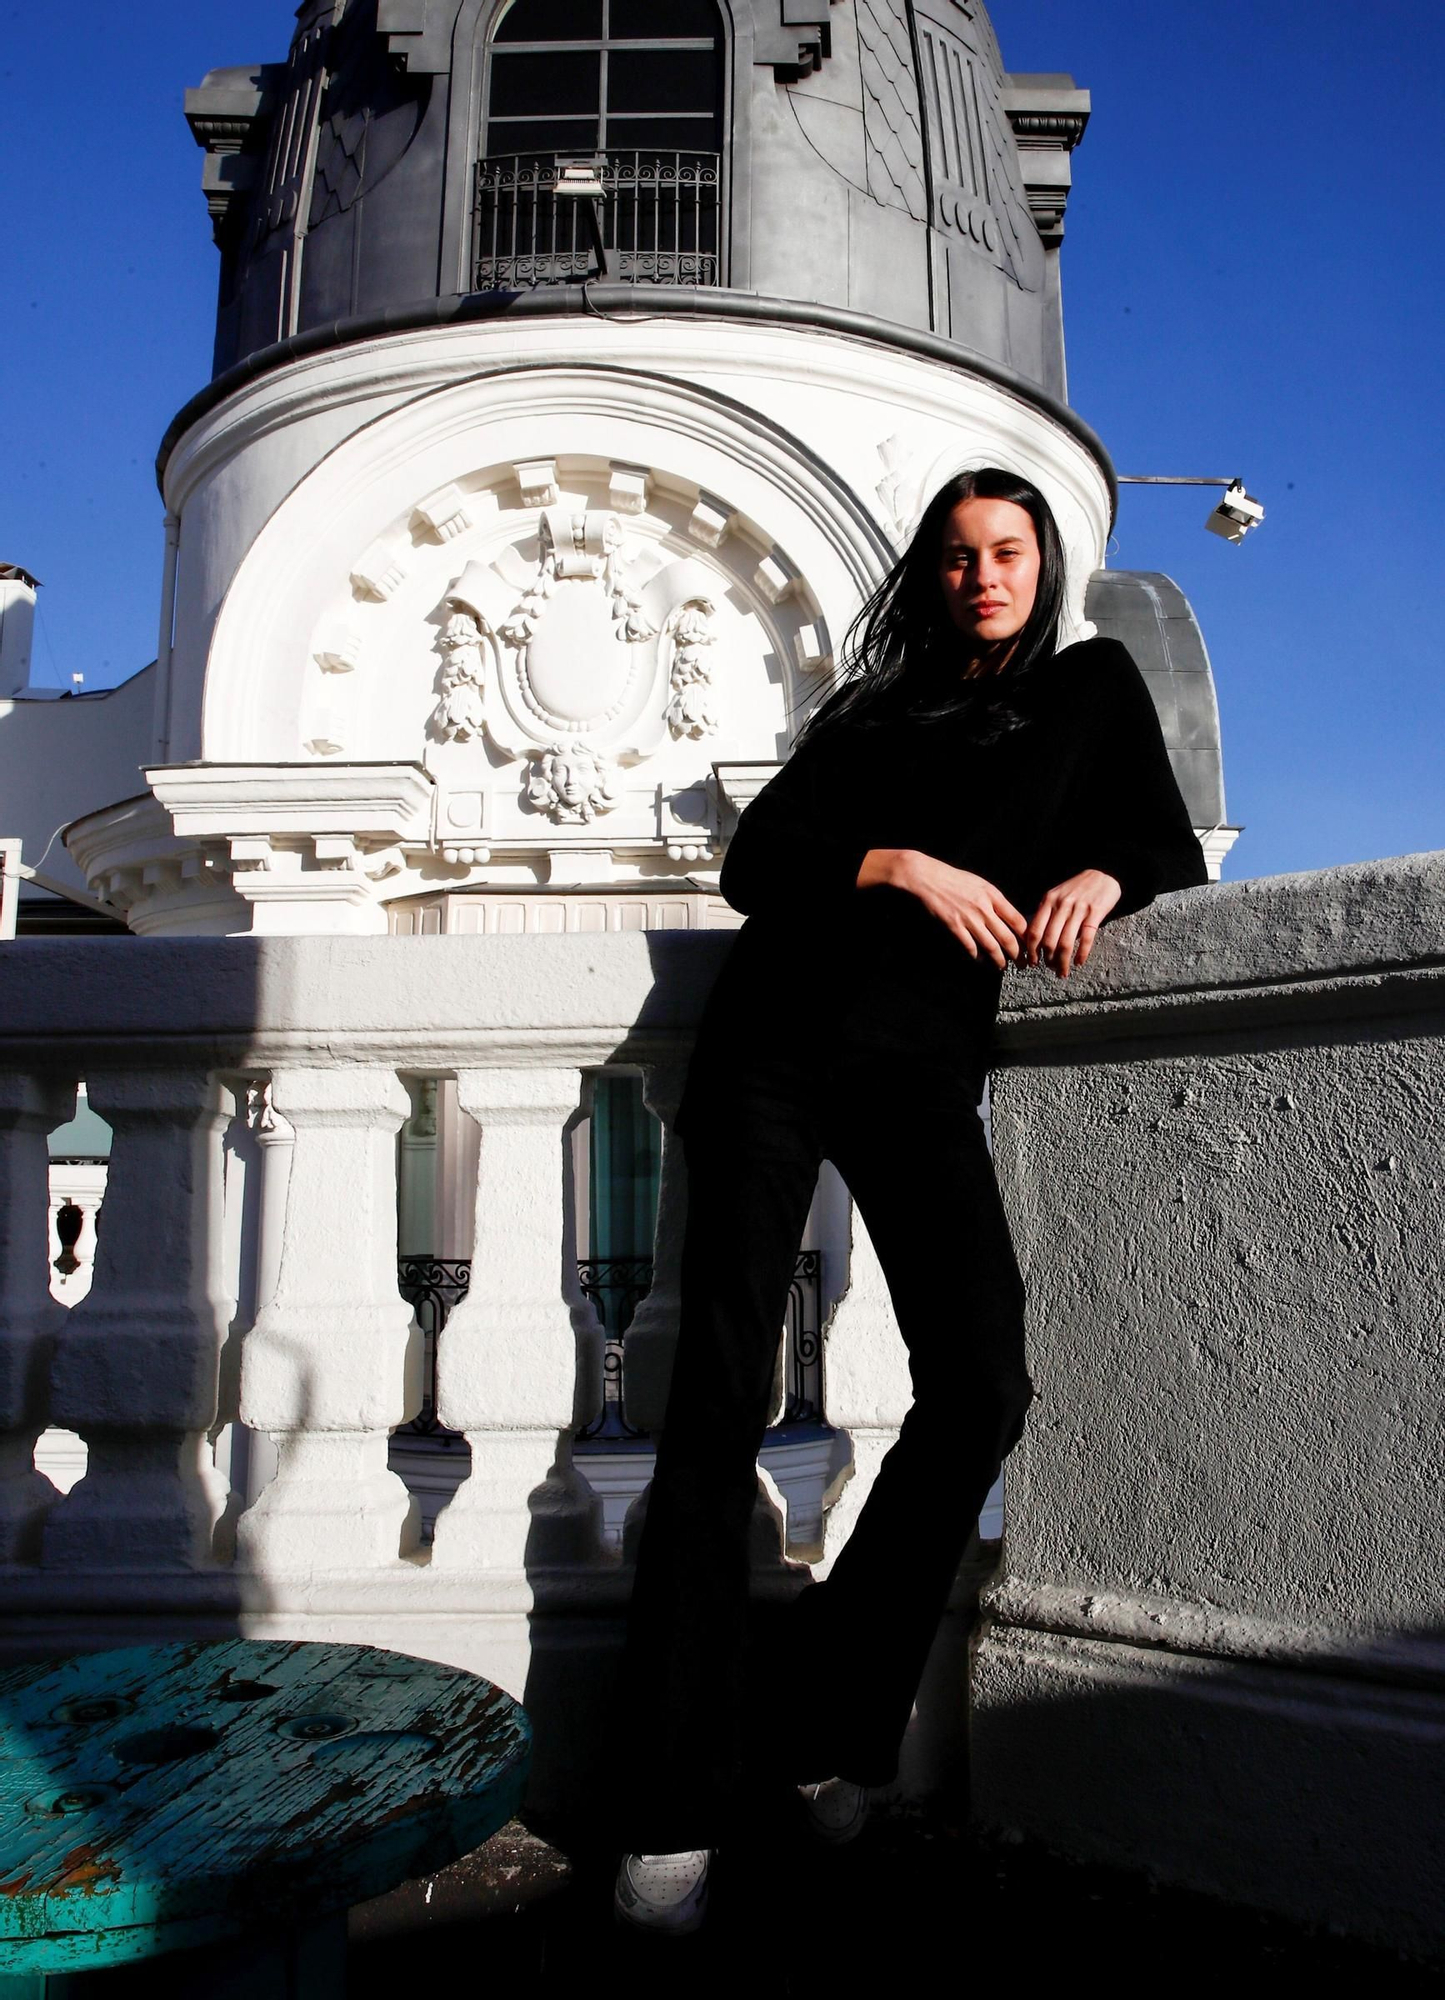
[
  {"x": 917, "y": 1164},
  {"x": 753, "y": 1156}
]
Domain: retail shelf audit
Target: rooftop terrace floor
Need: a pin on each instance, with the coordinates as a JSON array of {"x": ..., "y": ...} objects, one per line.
[{"x": 918, "y": 1896}]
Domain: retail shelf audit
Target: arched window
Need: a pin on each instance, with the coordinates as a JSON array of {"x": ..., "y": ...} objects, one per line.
[{"x": 636, "y": 85}]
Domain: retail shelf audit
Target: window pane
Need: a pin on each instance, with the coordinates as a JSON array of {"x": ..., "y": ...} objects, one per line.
[
  {"x": 542, "y": 136},
  {"x": 536, "y": 85},
  {"x": 624, "y": 1169},
  {"x": 553, "y": 21},
  {"x": 661, "y": 80},
  {"x": 698, "y": 135},
  {"x": 643, "y": 20}
]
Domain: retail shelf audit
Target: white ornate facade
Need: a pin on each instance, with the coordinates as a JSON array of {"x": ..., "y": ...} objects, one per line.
[{"x": 500, "y": 606}]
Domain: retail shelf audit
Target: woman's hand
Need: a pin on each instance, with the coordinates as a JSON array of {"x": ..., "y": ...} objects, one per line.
[
  {"x": 1063, "y": 928},
  {"x": 981, "y": 917}
]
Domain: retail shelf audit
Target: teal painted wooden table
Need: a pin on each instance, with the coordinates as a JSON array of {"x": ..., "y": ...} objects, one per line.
[{"x": 165, "y": 1797}]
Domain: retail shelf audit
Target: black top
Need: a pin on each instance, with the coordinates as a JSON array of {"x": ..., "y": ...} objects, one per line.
[{"x": 1086, "y": 782}]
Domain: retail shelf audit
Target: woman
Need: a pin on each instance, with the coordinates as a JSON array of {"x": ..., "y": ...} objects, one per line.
[{"x": 964, "y": 773}]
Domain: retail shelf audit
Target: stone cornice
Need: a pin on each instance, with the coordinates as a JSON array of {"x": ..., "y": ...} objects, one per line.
[
  {"x": 1048, "y": 115},
  {"x": 226, "y": 114},
  {"x": 684, "y": 302}
]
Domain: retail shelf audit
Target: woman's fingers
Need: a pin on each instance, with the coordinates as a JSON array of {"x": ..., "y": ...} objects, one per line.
[
  {"x": 1064, "y": 927},
  {"x": 1055, "y": 927},
  {"x": 1061, "y": 934},
  {"x": 1002, "y": 931},
  {"x": 977, "y": 929}
]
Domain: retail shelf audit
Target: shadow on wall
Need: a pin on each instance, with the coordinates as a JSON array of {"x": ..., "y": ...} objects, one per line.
[{"x": 1309, "y": 1793}]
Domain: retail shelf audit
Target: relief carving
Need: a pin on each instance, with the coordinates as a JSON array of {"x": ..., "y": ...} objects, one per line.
[
  {"x": 459, "y": 714},
  {"x": 560, "y": 663},
  {"x": 691, "y": 709},
  {"x": 572, "y": 782}
]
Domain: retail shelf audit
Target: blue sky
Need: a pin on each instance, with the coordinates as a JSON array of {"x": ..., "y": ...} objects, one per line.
[{"x": 1250, "y": 287}]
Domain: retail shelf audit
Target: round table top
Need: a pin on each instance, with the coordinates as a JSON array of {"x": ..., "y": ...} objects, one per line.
[{"x": 161, "y": 1796}]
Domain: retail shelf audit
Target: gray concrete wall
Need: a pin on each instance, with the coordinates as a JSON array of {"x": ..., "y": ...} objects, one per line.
[{"x": 1217, "y": 1647}]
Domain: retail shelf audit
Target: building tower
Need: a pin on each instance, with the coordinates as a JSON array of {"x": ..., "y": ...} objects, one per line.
[{"x": 520, "y": 524}]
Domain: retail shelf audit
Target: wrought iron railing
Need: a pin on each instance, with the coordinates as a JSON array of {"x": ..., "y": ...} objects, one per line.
[
  {"x": 803, "y": 1354},
  {"x": 431, "y": 1286},
  {"x": 661, "y": 221},
  {"x": 616, "y": 1286}
]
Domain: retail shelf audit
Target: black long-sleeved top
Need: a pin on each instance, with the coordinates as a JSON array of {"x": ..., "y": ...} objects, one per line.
[{"x": 1086, "y": 782}]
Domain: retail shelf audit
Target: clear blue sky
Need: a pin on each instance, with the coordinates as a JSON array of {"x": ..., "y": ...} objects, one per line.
[{"x": 1251, "y": 286}]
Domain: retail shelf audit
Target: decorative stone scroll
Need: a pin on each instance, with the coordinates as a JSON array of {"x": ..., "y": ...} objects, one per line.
[
  {"x": 582, "y": 633},
  {"x": 691, "y": 708}
]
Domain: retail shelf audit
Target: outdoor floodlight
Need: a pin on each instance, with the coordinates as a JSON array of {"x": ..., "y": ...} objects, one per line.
[
  {"x": 581, "y": 178},
  {"x": 1235, "y": 515}
]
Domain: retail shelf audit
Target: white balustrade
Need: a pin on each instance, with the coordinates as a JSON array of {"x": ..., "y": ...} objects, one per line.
[
  {"x": 333, "y": 1360},
  {"x": 866, "y": 1386},
  {"x": 520, "y": 1361},
  {"x": 136, "y": 1364},
  {"x": 29, "y": 1110},
  {"x": 287, "y": 1058}
]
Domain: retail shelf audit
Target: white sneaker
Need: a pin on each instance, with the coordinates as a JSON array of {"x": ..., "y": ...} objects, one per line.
[
  {"x": 837, "y": 1809},
  {"x": 663, "y": 1892}
]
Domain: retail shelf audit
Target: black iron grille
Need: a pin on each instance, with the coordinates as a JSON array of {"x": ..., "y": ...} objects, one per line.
[{"x": 661, "y": 220}]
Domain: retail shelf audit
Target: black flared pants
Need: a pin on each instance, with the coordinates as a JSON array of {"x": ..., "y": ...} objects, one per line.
[{"x": 832, "y": 1693}]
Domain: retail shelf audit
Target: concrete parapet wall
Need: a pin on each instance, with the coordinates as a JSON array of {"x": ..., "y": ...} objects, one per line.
[{"x": 1217, "y": 1647}]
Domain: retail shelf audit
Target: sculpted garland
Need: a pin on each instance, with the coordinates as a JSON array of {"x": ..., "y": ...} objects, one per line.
[{"x": 586, "y": 589}]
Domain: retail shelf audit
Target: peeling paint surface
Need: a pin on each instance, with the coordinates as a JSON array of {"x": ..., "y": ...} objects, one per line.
[{"x": 161, "y": 1796}]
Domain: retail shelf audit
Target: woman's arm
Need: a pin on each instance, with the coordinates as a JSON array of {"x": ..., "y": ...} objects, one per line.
[
  {"x": 1133, "y": 835},
  {"x": 796, "y": 839},
  {"x": 1138, "y": 829},
  {"x": 980, "y": 916},
  {"x": 800, "y": 839}
]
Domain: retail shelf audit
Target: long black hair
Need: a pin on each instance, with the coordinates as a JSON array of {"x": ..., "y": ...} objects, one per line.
[{"x": 903, "y": 655}]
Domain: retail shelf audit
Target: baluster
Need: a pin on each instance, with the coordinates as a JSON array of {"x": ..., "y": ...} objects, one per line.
[
  {"x": 333, "y": 1361},
  {"x": 30, "y": 1108},
  {"x": 519, "y": 1362},
  {"x": 137, "y": 1363},
  {"x": 651, "y": 1338},
  {"x": 866, "y": 1387}
]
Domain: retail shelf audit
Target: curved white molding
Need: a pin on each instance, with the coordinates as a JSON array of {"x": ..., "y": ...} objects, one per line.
[
  {"x": 360, "y": 530},
  {"x": 787, "y": 541}
]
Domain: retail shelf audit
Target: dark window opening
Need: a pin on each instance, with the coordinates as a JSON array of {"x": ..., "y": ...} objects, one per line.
[{"x": 638, "y": 82}]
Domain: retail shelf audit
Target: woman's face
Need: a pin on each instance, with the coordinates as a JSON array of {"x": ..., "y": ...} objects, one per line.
[{"x": 989, "y": 569}]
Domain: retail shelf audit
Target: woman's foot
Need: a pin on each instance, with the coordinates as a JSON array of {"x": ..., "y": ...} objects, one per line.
[
  {"x": 663, "y": 1892},
  {"x": 837, "y": 1809}
]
